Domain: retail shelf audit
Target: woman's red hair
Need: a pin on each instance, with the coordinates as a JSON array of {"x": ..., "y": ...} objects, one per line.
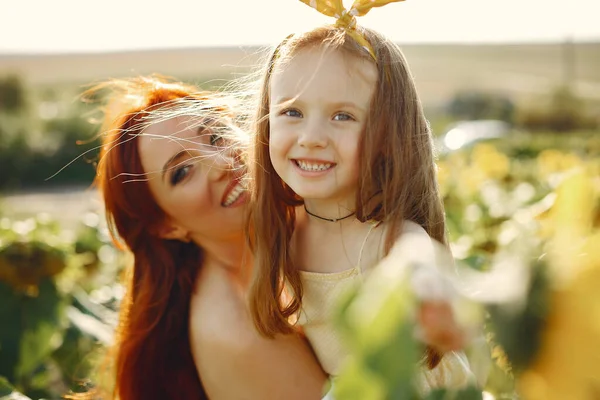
[{"x": 153, "y": 358}]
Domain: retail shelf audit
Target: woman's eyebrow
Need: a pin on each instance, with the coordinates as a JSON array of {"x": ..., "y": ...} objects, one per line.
[{"x": 171, "y": 160}]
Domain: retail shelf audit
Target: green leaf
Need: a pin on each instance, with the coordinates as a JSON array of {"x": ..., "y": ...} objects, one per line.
[
  {"x": 10, "y": 331},
  {"x": 395, "y": 362},
  {"x": 357, "y": 383},
  {"x": 5, "y": 387},
  {"x": 42, "y": 323},
  {"x": 7, "y": 391},
  {"x": 519, "y": 331},
  {"x": 469, "y": 393},
  {"x": 30, "y": 330},
  {"x": 376, "y": 323}
]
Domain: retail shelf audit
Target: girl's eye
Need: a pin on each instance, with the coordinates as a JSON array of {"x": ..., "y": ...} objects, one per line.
[
  {"x": 179, "y": 174},
  {"x": 343, "y": 117},
  {"x": 292, "y": 113}
]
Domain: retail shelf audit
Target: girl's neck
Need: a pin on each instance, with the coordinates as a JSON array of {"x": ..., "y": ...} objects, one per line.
[{"x": 329, "y": 212}]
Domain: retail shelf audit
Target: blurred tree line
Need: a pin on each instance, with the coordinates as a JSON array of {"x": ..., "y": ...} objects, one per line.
[
  {"x": 40, "y": 134},
  {"x": 560, "y": 111},
  {"x": 46, "y": 138}
]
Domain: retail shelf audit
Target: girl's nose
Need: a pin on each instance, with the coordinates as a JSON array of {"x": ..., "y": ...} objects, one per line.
[{"x": 312, "y": 134}]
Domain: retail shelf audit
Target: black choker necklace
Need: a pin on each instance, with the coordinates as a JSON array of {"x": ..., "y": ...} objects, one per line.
[{"x": 329, "y": 219}]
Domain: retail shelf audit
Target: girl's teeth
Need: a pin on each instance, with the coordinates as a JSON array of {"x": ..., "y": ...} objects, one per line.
[
  {"x": 313, "y": 167},
  {"x": 234, "y": 194}
]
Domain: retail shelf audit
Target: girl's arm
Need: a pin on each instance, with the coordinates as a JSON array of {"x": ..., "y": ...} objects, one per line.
[
  {"x": 234, "y": 361},
  {"x": 419, "y": 258}
]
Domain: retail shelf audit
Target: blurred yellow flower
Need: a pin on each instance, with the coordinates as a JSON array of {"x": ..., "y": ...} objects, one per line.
[
  {"x": 494, "y": 164},
  {"x": 568, "y": 364},
  {"x": 499, "y": 356},
  {"x": 469, "y": 181},
  {"x": 552, "y": 161}
]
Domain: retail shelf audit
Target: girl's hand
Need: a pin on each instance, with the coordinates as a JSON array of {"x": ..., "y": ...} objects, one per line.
[
  {"x": 438, "y": 328},
  {"x": 446, "y": 320}
]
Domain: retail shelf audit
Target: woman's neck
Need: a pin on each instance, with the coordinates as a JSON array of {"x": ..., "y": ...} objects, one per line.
[{"x": 233, "y": 255}]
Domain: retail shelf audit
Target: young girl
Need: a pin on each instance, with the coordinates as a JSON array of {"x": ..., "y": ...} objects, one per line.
[{"x": 344, "y": 177}]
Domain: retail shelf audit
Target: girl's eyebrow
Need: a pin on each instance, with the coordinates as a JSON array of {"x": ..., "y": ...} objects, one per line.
[
  {"x": 348, "y": 104},
  {"x": 283, "y": 101}
]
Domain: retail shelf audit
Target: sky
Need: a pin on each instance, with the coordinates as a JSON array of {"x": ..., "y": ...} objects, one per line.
[{"x": 59, "y": 26}]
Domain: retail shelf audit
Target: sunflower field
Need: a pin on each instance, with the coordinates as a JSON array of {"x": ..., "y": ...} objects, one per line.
[
  {"x": 523, "y": 215},
  {"x": 524, "y": 221}
]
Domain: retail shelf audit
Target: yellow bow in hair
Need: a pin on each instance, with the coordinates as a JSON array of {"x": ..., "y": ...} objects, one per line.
[{"x": 346, "y": 19}]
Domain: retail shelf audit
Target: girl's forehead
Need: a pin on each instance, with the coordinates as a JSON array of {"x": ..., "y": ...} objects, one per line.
[
  {"x": 323, "y": 69},
  {"x": 315, "y": 56}
]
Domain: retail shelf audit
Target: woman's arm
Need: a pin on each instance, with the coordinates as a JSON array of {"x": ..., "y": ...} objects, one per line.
[{"x": 234, "y": 361}]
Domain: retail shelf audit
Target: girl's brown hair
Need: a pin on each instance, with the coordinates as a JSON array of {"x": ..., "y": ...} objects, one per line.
[
  {"x": 152, "y": 354},
  {"x": 397, "y": 178}
]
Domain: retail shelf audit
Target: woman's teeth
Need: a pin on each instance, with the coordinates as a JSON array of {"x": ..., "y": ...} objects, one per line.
[
  {"x": 307, "y": 166},
  {"x": 234, "y": 194}
]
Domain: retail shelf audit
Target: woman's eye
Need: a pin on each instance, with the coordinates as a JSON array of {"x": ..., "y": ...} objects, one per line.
[
  {"x": 343, "y": 117},
  {"x": 292, "y": 113},
  {"x": 179, "y": 174},
  {"x": 207, "y": 130},
  {"x": 216, "y": 140}
]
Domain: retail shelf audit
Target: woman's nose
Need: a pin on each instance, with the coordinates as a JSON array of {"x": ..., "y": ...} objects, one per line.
[{"x": 223, "y": 163}]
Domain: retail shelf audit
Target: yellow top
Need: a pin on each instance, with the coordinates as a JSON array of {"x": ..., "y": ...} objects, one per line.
[{"x": 319, "y": 300}]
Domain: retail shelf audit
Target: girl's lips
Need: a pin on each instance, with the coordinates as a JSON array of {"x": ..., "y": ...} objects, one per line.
[
  {"x": 321, "y": 167},
  {"x": 313, "y": 160}
]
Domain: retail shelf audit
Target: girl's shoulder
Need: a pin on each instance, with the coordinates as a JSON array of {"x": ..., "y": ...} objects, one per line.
[
  {"x": 411, "y": 243},
  {"x": 407, "y": 231},
  {"x": 410, "y": 227}
]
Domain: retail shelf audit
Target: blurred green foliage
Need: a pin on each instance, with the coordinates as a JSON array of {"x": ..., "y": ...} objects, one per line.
[
  {"x": 472, "y": 105},
  {"x": 45, "y": 138},
  {"x": 503, "y": 216},
  {"x": 13, "y": 95},
  {"x": 55, "y": 311}
]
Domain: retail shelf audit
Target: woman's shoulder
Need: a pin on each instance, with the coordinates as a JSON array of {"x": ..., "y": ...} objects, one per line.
[
  {"x": 217, "y": 308},
  {"x": 233, "y": 359}
]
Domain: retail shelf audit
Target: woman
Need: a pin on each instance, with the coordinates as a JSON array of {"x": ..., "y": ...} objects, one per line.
[{"x": 174, "y": 197}]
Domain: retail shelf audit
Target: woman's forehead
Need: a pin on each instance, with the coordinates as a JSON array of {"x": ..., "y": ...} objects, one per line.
[{"x": 181, "y": 126}]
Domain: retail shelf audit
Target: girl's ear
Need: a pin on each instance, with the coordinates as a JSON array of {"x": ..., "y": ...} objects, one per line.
[{"x": 173, "y": 231}]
